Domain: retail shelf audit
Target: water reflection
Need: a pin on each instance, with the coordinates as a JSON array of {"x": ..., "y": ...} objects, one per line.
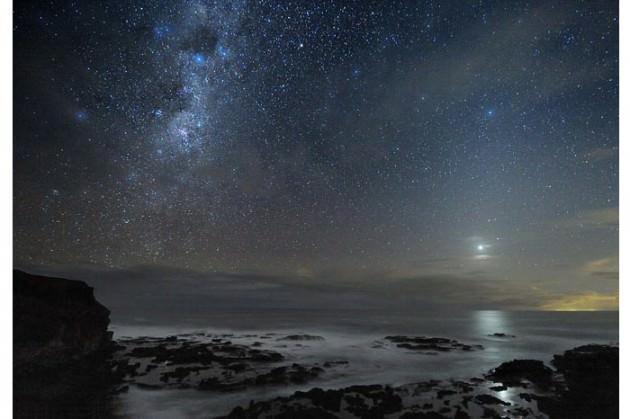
[{"x": 488, "y": 322}]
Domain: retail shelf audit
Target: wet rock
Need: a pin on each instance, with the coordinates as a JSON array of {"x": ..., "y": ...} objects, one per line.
[
  {"x": 442, "y": 393},
  {"x": 180, "y": 373},
  {"x": 422, "y": 343},
  {"x": 488, "y": 399},
  {"x": 501, "y": 335},
  {"x": 422, "y": 415},
  {"x": 289, "y": 412},
  {"x": 296, "y": 374},
  {"x": 490, "y": 414},
  {"x": 326, "y": 399},
  {"x": 301, "y": 337},
  {"x": 513, "y": 372},
  {"x": 329, "y": 364},
  {"x": 291, "y": 374},
  {"x": 591, "y": 374},
  {"x": 202, "y": 353},
  {"x": 460, "y": 414},
  {"x": 124, "y": 368}
]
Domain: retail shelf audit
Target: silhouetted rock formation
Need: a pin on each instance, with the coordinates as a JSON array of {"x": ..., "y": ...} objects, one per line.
[
  {"x": 591, "y": 373},
  {"x": 430, "y": 344},
  {"x": 513, "y": 372},
  {"x": 60, "y": 348},
  {"x": 585, "y": 385},
  {"x": 209, "y": 362}
]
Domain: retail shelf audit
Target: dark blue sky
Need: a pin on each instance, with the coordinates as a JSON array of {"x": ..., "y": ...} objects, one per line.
[{"x": 333, "y": 142}]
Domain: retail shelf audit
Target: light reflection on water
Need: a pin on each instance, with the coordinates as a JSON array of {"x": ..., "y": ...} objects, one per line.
[
  {"x": 350, "y": 335},
  {"x": 487, "y": 322}
]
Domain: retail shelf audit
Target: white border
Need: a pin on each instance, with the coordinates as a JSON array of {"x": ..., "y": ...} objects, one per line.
[{"x": 624, "y": 158}]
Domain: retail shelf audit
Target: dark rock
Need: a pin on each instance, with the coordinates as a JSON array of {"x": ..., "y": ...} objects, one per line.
[
  {"x": 292, "y": 374},
  {"x": 327, "y": 399},
  {"x": 422, "y": 415},
  {"x": 513, "y": 372},
  {"x": 591, "y": 373},
  {"x": 488, "y": 399},
  {"x": 490, "y": 414},
  {"x": 180, "y": 373},
  {"x": 460, "y": 414},
  {"x": 520, "y": 412},
  {"x": 502, "y": 335},
  {"x": 463, "y": 386},
  {"x": 424, "y": 344},
  {"x": 301, "y": 337},
  {"x": 329, "y": 364},
  {"x": 60, "y": 348},
  {"x": 442, "y": 393},
  {"x": 56, "y": 320}
]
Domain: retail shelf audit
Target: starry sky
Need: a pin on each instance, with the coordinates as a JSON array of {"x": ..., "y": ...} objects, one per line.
[{"x": 438, "y": 148}]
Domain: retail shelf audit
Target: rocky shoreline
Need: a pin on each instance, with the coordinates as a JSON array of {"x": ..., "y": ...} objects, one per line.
[
  {"x": 66, "y": 365},
  {"x": 583, "y": 385},
  {"x": 580, "y": 383}
]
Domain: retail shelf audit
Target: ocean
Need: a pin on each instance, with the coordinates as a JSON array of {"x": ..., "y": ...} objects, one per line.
[{"x": 356, "y": 335}]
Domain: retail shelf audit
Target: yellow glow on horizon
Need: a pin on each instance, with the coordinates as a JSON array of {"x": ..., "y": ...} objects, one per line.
[{"x": 589, "y": 301}]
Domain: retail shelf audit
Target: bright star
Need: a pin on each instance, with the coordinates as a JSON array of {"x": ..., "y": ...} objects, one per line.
[
  {"x": 81, "y": 116},
  {"x": 199, "y": 58}
]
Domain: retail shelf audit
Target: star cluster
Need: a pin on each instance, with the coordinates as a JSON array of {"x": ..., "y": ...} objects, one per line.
[{"x": 412, "y": 138}]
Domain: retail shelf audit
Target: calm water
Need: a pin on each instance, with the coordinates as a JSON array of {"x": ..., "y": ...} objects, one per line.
[{"x": 350, "y": 335}]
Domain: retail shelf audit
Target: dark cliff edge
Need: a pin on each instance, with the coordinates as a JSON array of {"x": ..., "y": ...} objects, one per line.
[{"x": 60, "y": 349}]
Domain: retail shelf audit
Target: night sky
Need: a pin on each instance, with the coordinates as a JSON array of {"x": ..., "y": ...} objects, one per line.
[{"x": 438, "y": 146}]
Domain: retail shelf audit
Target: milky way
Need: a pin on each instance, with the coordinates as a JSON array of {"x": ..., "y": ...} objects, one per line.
[{"x": 316, "y": 139}]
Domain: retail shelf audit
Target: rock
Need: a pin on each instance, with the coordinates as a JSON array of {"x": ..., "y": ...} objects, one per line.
[
  {"x": 490, "y": 414},
  {"x": 513, "y": 372},
  {"x": 301, "y": 337},
  {"x": 329, "y": 364},
  {"x": 424, "y": 344},
  {"x": 460, "y": 414},
  {"x": 180, "y": 373},
  {"x": 442, "y": 393},
  {"x": 60, "y": 348},
  {"x": 326, "y": 399},
  {"x": 289, "y": 374},
  {"x": 488, "y": 399},
  {"x": 501, "y": 335},
  {"x": 56, "y": 320},
  {"x": 422, "y": 415},
  {"x": 591, "y": 373}
]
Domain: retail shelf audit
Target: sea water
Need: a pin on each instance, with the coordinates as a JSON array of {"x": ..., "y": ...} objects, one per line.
[{"x": 353, "y": 335}]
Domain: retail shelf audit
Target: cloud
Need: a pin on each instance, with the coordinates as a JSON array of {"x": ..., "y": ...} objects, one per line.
[
  {"x": 588, "y": 301},
  {"x": 604, "y": 268},
  {"x": 163, "y": 294},
  {"x": 600, "y": 154},
  {"x": 601, "y": 218}
]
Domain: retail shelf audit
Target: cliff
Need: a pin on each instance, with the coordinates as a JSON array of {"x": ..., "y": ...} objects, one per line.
[{"x": 60, "y": 347}]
